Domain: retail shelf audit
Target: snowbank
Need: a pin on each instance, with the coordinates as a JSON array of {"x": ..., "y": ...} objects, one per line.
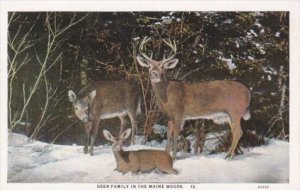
[{"x": 40, "y": 162}]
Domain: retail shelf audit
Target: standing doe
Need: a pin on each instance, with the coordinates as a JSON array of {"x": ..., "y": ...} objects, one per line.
[
  {"x": 108, "y": 99},
  {"x": 222, "y": 101},
  {"x": 140, "y": 160}
]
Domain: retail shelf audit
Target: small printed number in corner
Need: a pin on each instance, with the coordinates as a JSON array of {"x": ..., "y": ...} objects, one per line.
[
  {"x": 193, "y": 187},
  {"x": 263, "y": 187}
]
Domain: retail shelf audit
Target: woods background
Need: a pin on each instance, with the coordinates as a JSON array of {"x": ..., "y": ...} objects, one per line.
[{"x": 50, "y": 53}]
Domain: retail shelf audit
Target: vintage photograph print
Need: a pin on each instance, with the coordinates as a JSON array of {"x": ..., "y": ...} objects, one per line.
[{"x": 148, "y": 97}]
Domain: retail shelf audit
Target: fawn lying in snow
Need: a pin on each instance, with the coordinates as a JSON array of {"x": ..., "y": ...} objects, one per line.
[{"x": 140, "y": 160}]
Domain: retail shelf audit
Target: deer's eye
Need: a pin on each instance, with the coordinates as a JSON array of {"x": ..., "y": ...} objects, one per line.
[{"x": 76, "y": 109}]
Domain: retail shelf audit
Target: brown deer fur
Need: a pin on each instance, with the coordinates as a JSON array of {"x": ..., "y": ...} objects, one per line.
[
  {"x": 140, "y": 160},
  {"x": 108, "y": 99},
  {"x": 222, "y": 101}
]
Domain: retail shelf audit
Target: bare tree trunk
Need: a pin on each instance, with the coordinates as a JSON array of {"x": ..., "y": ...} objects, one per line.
[
  {"x": 277, "y": 122},
  {"x": 282, "y": 87}
]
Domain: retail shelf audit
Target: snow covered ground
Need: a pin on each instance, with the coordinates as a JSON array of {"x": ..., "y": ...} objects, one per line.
[{"x": 40, "y": 162}]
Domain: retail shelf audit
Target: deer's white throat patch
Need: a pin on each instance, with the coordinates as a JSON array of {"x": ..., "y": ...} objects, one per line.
[{"x": 155, "y": 80}]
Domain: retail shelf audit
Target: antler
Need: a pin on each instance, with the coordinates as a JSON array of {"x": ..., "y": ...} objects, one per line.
[
  {"x": 173, "y": 47},
  {"x": 141, "y": 48}
]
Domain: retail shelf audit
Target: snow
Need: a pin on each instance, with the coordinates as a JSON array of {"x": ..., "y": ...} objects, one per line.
[
  {"x": 136, "y": 38},
  {"x": 251, "y": 58},
  {"x": 257, "y": 23},
  {"x": 159, "y": 129},
  {"x": 228, "y": 21},
  {"x": 237, "y": 44},
  {"x": 230, "y": 64},
  {"x": 269, "y": 78},
  {"x": 165, "y": 17},
  {"x": 36, "y": 161},
  {"x": 166, "y": 20},
  {"x": 260, "y": 47},
  {"x": 260, "y": 14},
  {"x": 252, "y": 32},
  {"x": 261, "y": 51},
  {"x": 269, "y": 70}
]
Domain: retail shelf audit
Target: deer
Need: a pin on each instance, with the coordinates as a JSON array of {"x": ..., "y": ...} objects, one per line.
[
  {"x": 107, "y": 99},
  {"x": 139, "y": 160},
  {"x": 222, "y": 101}
]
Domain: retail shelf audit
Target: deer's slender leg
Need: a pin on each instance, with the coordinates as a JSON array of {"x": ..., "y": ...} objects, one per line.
[
  {"x": 132, "y": 117},
  {"x": 176, "y": 131},
  {"x": 94, "y": 132},
  {"x": 87, "y": 136},
  {"x": 170, "y": 135},
  {"x": 122, "y": 119},
  {"x": 236, "y": 135}
]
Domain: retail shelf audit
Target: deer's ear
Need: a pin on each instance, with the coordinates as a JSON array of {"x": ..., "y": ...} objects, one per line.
[
  {"x": 92, "y": 95},
  {"x": 126, "y": 134},
  {"x": 170, "y": 64},
  {"x": 108, "y": 136},
  {"x": 142, "y": 61},
  {"x": 72, "y": 96}
]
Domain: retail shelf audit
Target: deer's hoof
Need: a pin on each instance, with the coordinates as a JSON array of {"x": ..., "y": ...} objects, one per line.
[
  {"x": 85, "y": 150},
  {"x": 91, "y": 153},
  {"x": 229, "y": 156}
]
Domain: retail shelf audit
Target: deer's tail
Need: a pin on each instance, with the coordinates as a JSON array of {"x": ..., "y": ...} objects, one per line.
[{"x": 247, "y": 115}]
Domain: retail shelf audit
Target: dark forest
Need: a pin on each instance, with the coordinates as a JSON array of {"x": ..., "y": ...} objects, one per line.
[{"x": 52, "y": 52}]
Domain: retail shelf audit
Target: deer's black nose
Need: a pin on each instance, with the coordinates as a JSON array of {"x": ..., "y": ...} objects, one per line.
[{"x": 154, "y": 75}]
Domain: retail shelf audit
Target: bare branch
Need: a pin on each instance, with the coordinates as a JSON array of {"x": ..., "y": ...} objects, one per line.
[
  {"x": 72, "y": 23},
  {"x": 20, "y": 44},
  {"x": 54, "y": 62},
  {"x": 11, "y": 18}
]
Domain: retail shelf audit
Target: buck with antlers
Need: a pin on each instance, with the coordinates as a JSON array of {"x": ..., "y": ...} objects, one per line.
[{"x": 222, "y": 101}]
